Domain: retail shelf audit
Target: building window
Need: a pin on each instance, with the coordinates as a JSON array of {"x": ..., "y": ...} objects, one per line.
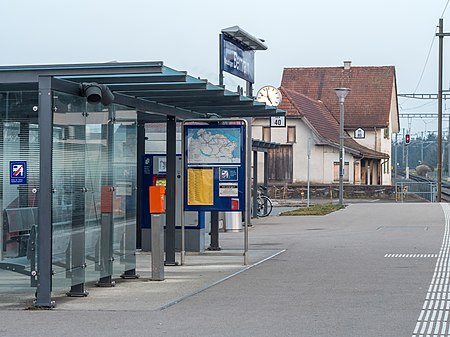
[
  {"x": 266, "y": 133},
  {"x": 291, "y": 137},
  {"x": 336, "y": 171}
]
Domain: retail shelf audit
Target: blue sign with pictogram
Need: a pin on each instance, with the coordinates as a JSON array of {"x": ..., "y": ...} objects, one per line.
[
  {"x": 17, "y": 172},
  {"x": 228, "y": 174}
]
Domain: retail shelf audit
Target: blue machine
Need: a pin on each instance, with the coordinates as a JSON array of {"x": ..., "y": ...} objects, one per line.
[{"x": 154, "y": 174}]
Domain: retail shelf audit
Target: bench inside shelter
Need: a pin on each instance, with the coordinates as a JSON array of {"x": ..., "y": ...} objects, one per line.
[
  {"x": 19, "y": 241},
  {"x": 20, "y": 248}
]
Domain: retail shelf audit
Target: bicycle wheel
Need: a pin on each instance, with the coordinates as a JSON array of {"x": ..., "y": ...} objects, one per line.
[{"x": 264, "y": 206}]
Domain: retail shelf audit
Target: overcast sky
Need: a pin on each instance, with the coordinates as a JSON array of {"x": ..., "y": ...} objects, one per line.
[{"x": 184, "y": 35}]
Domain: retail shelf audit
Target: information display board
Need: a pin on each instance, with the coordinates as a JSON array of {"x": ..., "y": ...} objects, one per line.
[{"x": 214, "y": 167}]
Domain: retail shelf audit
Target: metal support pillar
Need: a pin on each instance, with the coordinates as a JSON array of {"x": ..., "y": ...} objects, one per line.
[
  {"x": 157, "y": 247},
  {"x": 308, "y": 172},
  {"x": 220, "y": 60},
  {"x": 44, "y": 261},
  {"x": 171, "y": 150},
  {"x": 440, "y": 75},
  {"x": 341, "y": 152},
  {"x": 248, "y": 141},
  {"x": 395, "y": 156},
  {"x": 214, "y": 245},
  {"x": 255, "y": 185},
  {"x": 407, "y": 161},
  {"x": 266, "y": 169},
  {"x": 341, "y": 94},
  {"x": 140, "y": 155}
]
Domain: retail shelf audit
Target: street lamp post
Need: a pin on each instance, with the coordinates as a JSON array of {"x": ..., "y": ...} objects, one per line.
[{"x": 341, "y": 94}]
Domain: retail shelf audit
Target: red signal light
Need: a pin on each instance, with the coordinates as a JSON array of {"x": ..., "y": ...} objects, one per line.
[{"x": 407, "y": 138}]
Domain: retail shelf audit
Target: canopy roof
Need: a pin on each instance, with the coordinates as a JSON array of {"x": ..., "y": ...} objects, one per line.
[{"x": 146, "y": 86}]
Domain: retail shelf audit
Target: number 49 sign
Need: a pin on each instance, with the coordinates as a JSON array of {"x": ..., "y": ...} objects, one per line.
[{"x": 278, "y": 121}]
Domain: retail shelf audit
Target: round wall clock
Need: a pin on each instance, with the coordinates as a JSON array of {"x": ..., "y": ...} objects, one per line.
[{"x": 269, "y": 95}]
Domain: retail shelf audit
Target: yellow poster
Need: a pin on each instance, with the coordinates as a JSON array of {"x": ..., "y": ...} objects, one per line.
[{"x": 200, "y": 185}]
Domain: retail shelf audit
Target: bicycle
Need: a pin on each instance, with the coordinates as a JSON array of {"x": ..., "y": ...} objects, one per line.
[{"x": 264, "y": 203}]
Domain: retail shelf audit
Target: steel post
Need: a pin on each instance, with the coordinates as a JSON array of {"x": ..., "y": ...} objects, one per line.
[
  {"x": 44, "y": 261},
  {"x": 255, "y": 184},
  {"x": 341, "y": 151},
  {"x": 157, "y": 248},
  {"x": 440, "y": 70},
  {"x": 171, "y": 150},
  {"x": 214, "y": 242},
  {"x": 140, "y": 155}
]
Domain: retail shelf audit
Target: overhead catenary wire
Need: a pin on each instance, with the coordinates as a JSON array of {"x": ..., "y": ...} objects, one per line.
[
  {"x": 418, "y": 106},
  {"x": 428, "y": 56},
  {"x": 445, "y": 8},
  {"x": 426, "y": 63}
]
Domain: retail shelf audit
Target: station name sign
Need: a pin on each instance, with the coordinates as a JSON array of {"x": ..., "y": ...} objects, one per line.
[{"x": 237, "y": 60}]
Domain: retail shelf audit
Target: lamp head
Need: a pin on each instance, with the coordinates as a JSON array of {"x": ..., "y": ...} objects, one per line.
[{"x": 341, "y": 93}]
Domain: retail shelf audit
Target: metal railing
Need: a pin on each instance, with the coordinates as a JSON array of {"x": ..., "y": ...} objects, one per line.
[{"x": 410, "y": 190}]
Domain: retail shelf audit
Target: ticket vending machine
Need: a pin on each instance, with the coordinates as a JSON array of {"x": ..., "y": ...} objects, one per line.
[{"x": 154, "y": 174}]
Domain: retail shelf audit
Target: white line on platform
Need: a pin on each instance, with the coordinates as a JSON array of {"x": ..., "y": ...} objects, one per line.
[
  {"x": 436, "y": 317},
  {"x": 164, "y": 307}
]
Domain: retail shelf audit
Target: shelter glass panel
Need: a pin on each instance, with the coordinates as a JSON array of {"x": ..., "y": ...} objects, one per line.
[
  {"x": 69, "y": 186},
  {"x": 124, "y": 180},
  {"x": 94, "y": 164},
  {"x": 19, "y": 181}
]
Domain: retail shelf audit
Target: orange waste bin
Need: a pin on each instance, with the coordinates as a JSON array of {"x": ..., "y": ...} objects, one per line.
[{"x": 156, "y": 197}]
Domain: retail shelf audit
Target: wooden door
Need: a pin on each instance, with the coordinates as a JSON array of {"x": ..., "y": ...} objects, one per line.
[{"x": 280, "y": 163}]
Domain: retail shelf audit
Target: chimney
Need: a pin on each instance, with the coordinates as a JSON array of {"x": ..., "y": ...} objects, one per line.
[{"x": 347, "y": 65}]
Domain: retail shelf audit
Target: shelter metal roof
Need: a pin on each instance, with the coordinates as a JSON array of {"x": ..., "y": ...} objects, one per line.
[
  {"x": 263, "y": 146},
  {"x": 146, "y": 86}
]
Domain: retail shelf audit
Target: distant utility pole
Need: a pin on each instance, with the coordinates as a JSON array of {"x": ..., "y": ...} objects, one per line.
[
  {"x": 395, "y": 157},
  {"x": 441, "y": 35},
  {"x": 407, "y": 154},
  {"x": 439, "y": 97}
]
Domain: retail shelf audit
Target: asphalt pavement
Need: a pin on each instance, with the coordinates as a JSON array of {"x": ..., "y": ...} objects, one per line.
[{"x": 367, "y": 270}]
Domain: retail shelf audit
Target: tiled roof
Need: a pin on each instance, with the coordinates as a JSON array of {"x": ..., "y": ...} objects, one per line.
[
  {"x": 367, "y": 105},
  {"x": 326, "y": 126}
]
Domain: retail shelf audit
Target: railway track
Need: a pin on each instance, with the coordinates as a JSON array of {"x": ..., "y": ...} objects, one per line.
[{"x": 445, "y": 191}]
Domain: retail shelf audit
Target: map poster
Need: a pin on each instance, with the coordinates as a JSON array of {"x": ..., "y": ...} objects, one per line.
[
  {"x": 220, "y": 145},
  {"x": 214, "y": 165}
]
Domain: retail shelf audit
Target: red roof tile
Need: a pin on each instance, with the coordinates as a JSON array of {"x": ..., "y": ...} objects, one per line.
[
  {"x": 318, "y": 116},
  {"x": 367, "y": 105}
]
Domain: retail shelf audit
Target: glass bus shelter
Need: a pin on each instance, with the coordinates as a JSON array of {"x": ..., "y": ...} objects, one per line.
[{"x": 71, "y": 140}]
